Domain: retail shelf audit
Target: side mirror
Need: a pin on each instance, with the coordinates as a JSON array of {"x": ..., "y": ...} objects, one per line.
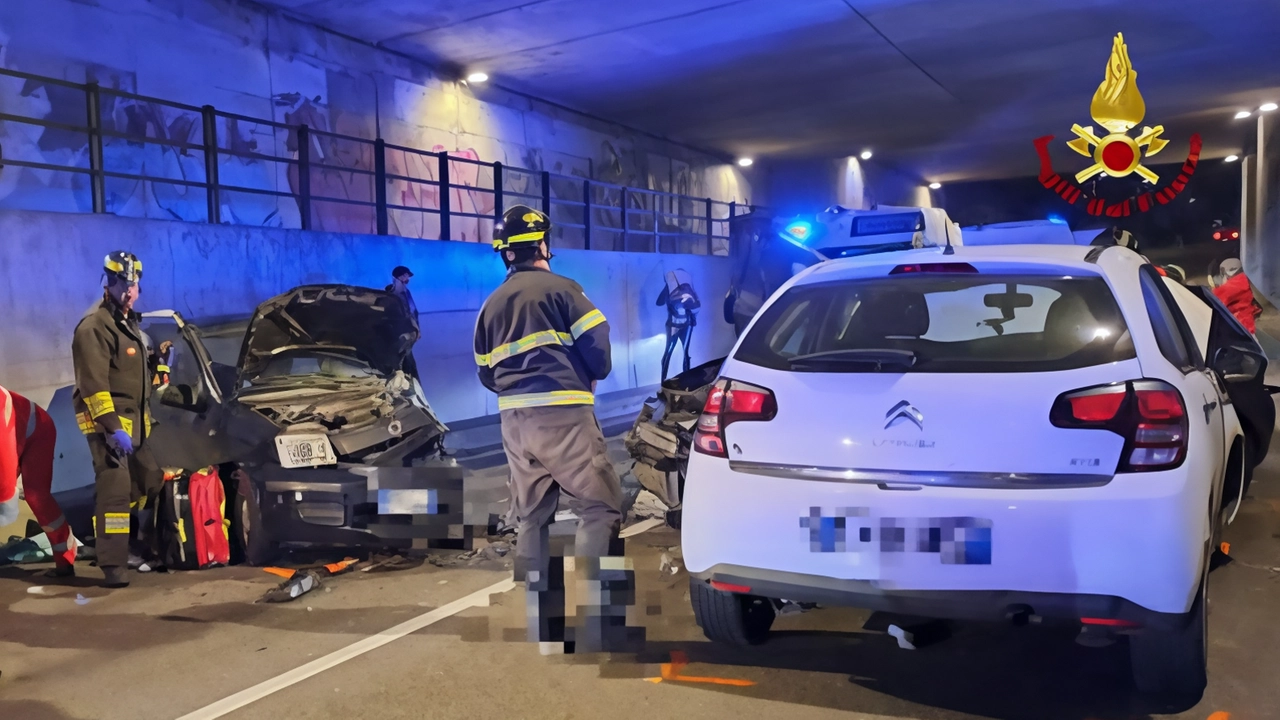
[
  {"x": 729, "y": 300},
  {"x": 1237, "y": 364},
  {"x": 184, "y": 397}
]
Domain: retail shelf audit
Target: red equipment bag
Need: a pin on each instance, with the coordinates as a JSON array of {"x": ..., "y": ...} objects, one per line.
[{"x": 193, "y": 526}]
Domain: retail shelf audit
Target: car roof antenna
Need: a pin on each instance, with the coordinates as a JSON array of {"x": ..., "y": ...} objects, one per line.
[{"x": 946, "y": 228}]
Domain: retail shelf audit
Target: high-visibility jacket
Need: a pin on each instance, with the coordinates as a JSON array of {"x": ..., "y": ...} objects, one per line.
[
  {"x": 10, "y": 449},
  {"x": 1237, "y": 295},
  {"x": 113, "y": 383},
  {"x": 540, "y": 342}
]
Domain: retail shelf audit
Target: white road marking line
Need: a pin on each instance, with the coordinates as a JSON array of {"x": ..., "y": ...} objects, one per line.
[{"x": 479, "y": 598}]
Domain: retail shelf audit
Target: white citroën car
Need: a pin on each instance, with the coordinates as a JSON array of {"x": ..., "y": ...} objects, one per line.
[{"x": 979, "y": 433}]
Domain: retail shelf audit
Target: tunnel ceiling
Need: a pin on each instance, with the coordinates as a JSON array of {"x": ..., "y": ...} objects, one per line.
[{"x": 944, "y": 89}]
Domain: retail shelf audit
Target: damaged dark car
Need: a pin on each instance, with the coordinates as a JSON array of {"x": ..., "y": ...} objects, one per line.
[{"x": 322, "y": 439}]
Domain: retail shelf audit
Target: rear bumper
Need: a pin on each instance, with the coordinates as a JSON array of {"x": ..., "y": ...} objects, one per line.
[
  {"x": 361, "y": 506},
  {"x": 981, "y": 605},
  {"x": 1140, "y": 538}
]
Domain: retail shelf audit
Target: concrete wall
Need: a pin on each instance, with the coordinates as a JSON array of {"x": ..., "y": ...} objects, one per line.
[
  {"x": 1261, "y": 246},
  {"x": 50, "y": 270},
  {"x": 809, "y": 186},
  {"x": 245, "y": 59}
]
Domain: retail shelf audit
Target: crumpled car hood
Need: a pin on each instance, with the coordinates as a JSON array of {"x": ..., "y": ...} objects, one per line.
[
  {"x": 371, "y": 323},
  {"x": 360, "y": 415}
]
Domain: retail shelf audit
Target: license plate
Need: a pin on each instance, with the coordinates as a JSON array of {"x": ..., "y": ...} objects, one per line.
[
  {"x": 305, "y": 451},
  {"x": 408, "y": 502}
]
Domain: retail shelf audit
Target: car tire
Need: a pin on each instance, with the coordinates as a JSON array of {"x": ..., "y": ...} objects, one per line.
[
  {"x": 258, "y": 549},
  {"x": 1173, "y": 664},
  {"x": 730, "y": 618}
]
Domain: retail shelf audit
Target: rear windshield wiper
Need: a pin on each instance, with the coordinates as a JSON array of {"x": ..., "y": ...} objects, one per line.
[{"x": 875, "y": 359}]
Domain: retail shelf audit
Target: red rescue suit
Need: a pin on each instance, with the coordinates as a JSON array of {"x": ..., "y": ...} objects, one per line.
[
  {"x": 1237, "y": 295},
  {"x": 27, "y": 438}
]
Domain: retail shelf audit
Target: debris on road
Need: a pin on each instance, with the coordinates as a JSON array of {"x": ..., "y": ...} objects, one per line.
[
  {"x": 642, "y": 526},
  {"x": 905, "y": 639},
  {"x": 81, "y": 599},
  {"x": 920, "y": 634},
  {"x": 301, "y": 583},
  {"x": 648, "y": 505},
  {"x": 496, "y": 552},
  {"x": 671, "y": 673},
  {"x": 667, "y": 565}
]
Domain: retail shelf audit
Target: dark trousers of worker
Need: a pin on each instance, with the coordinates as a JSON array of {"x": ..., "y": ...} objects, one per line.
[
  {"x": 36, "y": 466},
  {"x": 554, "y": 450},
  {"x": 123, "y": 484},
  {"x": 676, "y": 334}
]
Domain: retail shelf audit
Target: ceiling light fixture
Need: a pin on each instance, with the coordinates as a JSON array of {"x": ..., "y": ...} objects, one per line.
[
  {"x": 1267, "y": 107},
  {"x": 746, "y": 162},
  {"x": 1231, "y": 158},
  {"x": 935, "y": 186},
  {"x": 1243, "y": 114},
  {"x": 477, "y": 78},
  {"x": 866, "y": 155}
]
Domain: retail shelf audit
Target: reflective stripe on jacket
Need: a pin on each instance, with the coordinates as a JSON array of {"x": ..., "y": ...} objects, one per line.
[{"x": 540, "y": 342}]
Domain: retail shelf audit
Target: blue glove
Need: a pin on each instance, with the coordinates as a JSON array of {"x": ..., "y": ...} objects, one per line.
[
  {"x": 9, "y": 511},
  {"x": 120, "y": 442}
]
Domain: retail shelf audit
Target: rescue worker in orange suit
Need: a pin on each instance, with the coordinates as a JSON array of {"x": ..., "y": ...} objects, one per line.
[
  {"x": 542, "y": 346},
  {"x": 113, "y": 386},
  {"x": 27, "y": 438},
  {"x": 1236, "y": 293}
]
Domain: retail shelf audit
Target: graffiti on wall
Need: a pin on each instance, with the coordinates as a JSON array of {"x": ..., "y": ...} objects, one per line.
[{"x": 156, "y": 153}]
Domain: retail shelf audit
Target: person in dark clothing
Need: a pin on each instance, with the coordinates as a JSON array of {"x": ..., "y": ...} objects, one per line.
[
  {"x": 682, "y": 315},
  {"x": 112, "y": 390},
  {"x": 400, "y": 288},
  {"x": 542, "y": 346}
]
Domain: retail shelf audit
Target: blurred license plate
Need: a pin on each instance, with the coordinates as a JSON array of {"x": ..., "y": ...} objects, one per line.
[
  {"x": 304, "y": 450},
  {"x": 408, "y": 502}
]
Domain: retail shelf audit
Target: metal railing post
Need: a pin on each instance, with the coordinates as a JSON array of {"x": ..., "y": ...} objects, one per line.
[
  {"x": 212, "y": 191},
  {"x": 498, "y": 182},
  {"x": 657, "y": 239},
  {"x": 710, "y": 233},
  {"x": 97, "y": 181},
  {"x": 304, "y": 175},
  {"x": 624, "y": 220},
  {"x": 446, "y": 226},
  {"x": 586, "y": 214},
  {"x": 380, "y": 184}
]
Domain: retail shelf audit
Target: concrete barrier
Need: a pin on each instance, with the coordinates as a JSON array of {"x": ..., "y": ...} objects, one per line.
[{"x": 50, "y": 272}]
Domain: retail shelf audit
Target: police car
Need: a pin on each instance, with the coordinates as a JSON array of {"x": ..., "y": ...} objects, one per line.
[{"x": 1047, "y": 431}]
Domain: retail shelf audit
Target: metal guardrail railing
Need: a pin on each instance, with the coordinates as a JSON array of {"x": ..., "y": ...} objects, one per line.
[{"x": 101, "y": 150}]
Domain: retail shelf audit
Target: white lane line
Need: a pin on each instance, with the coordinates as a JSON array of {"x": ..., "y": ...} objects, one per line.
[{"x": 479, "y": 598}]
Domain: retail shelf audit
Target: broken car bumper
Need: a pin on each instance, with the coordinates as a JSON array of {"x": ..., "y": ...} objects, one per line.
[{"x": 412, "y": 508}]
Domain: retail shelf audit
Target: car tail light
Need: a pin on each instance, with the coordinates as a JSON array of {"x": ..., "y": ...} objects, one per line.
[
  {"x": 1149, "y": 414},
  {"x": 1217, "y": 236},
  {"x": 728, "y": 402},
  {"x": 934, "y": 268}
]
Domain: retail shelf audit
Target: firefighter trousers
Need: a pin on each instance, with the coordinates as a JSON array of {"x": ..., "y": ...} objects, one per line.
[
  {"x": 554, "y": 450},
  {"x": 122, "y": 485},
  {"x": 36, "y": 466}
]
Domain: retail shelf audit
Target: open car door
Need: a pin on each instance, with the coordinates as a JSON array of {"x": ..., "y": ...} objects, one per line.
[
  {"x": 1251, "y": 398},
  {"x": 188, "y": 410}
]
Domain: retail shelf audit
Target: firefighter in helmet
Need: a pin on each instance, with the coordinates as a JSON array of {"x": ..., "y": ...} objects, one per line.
[
  {"x": 113, "y": 386},
  {"x": 542, "y": 346}
]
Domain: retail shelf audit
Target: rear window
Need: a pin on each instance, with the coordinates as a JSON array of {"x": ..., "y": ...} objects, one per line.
[{"x": 960, "y": 323}]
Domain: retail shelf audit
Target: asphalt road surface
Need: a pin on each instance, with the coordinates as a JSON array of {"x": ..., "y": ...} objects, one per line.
[{"x": 447, "y": 642}]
